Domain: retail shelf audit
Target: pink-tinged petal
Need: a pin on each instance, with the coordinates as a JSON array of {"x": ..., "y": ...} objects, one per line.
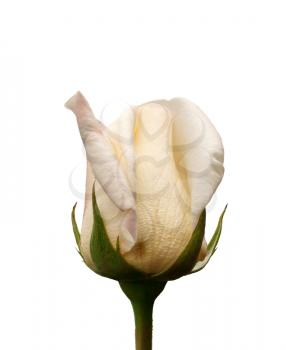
[{"x": 101, "y": 154}]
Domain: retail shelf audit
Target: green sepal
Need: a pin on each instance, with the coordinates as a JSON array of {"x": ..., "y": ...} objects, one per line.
[
  {"x": 187, "y": 260},
  {"x": 75, "y": 227},
  {"x": 212, "y": 245},
  {"x": 108, "y": 261}
]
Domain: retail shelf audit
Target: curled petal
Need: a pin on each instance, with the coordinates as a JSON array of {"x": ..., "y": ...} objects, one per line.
[
  {"x": 101, "y": 154},
  {"x": 199, "y": 153}
]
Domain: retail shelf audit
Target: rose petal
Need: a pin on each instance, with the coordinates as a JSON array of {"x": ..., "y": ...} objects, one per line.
[{"x": 100, "y": 154}]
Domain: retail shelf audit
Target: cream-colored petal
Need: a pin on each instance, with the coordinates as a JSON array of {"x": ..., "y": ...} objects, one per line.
[
  {"x": 179, "y": 158},
  {"x": 161, "y": 215},
  {"x": 121, "y": 134},
  {"x": 199, "y": 152},
  {"x": 101, "y": 154}
]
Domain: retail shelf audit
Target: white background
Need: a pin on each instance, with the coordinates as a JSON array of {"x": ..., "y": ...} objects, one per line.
[{"x": 228, "y": 57}]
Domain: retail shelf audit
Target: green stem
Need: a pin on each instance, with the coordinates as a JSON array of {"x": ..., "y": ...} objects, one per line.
[
  {"x": 142, "y": 295},
  {"x": 143, "y": 325}
]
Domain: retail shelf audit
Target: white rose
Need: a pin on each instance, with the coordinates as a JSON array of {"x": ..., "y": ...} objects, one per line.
[{"x": 155, "y": 169}]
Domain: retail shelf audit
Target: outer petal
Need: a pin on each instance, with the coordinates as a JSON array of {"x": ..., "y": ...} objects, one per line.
[
  {"x": 198, "y": 151},
  {"x": 101, "y": 155},
  {"x": 107, "y": 166}
]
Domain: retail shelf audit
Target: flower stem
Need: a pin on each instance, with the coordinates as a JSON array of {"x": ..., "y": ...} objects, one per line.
[
  {"x": 142, "y": 295},
  {"x": 143, "y": 322}
]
